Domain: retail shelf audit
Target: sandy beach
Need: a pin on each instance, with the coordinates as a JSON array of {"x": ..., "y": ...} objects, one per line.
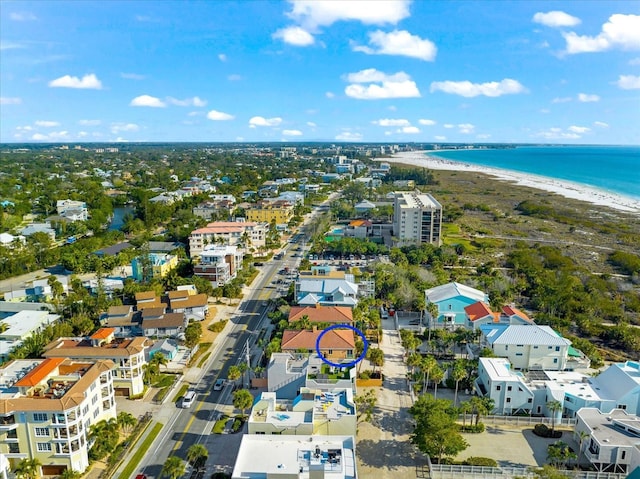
[{"x": 564, "y": 188}]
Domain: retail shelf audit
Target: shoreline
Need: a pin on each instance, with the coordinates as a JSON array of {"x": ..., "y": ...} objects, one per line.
[{"x": 564, "y": 188}]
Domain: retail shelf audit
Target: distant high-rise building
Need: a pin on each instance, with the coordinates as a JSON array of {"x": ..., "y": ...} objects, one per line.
[{"x": 417, "y": 218}]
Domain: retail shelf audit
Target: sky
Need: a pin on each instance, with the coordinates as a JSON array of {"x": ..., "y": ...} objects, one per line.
[{"x": 365, "y": 71}]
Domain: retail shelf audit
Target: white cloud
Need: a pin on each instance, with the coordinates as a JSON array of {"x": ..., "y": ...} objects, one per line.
[
  {"x": 391, "y": 122},
  {"x": 10, "y": 45},
  {"x": 319, "y": 13},
  {"x": 219, "y": 116},
  {"x": 440, "y": 138},
  {"x": 558, "y": 134},
  {"x": 222, "y": 57},
  {"x": 466, "y": 128},
  {"x": 22, "y": 17},
  {"x": 147, "y": 100},
  {"x": 89, "y": 82},
  {"x": 556, "y": 19},
  {"x": 411, "y": 130},
  {"x": 89, "y": 122},
  {"x": 82, "y": 134},
  {"x": 578, "y": 129},
  {"x": 239, "y": 138},
  {"x": 311, "y": 124},
  {"x": 427, "y": 122},
  {"x": 586, "y": 98},
  {"x": 634, "y": 61},
  {"x": 234, "y": 77},
  {"x": 349, "y": 136},
  {"x": 399, "y": 42},
  {"x": 261, "y": 121},
  {"x": 468, "y": 89},
  {"x": 46, "y": 123},
  {"x": 121, "y": 140},
  {"x": 330, "y": 95},
  {"x": 132, "y": 76},
  {"x": 53, "y": 136},
  {"x": 119, "y": 127},
  {"x": 544, "y": 110},
  {"x": 448, "y": 125},
  {"x": 621, "y": 31},
  {"x": 39, "y": 137},
  {"x": 6, "y": 100},
  {"x": 294, "y": 35},
  {"x": 483, "y": 136},
  {"x": 601, "y": 124},
  {"x": 291, "y": 132},
  {"x": 561, "y": 99},
  {"x": 388, "y": 133},
  {"x": 628, "y": 82},
  {"x": 381, "y": 85},
  {"x": 195, "y": 101},
  {"x": 24, "y": 128}
]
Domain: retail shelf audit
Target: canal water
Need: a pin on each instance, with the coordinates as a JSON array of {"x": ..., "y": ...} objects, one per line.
[{"x": 118, "y": 217}]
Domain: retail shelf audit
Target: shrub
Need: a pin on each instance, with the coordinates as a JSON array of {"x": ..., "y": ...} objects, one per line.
[
  {"x": 543, "y": 431},
  {"x": 480, "y": 461},
  {"x": 237, "y": 424},
  {"x": 365, "y": 375},
  {"x": 473, "y": 428},
  {"x": 218, "y": 326}
]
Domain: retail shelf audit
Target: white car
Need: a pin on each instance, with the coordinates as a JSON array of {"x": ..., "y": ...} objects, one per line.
[{"x": 219, "y": 384}]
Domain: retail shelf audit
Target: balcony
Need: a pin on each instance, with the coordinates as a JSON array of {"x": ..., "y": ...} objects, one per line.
[{"x": 7, "y": 423}]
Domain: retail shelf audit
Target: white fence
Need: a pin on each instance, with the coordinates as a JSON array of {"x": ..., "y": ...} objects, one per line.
[
  {"x": 451, "y": 471},
  {"x": 521, "y": 420}
]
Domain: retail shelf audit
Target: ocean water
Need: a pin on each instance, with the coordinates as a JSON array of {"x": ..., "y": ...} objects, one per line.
[{"x": 611, "y": 168}]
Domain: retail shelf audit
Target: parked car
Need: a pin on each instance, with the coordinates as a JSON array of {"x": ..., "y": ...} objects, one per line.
[{"x": 219, "y": 384}]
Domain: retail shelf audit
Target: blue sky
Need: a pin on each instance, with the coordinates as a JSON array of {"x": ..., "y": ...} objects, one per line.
[{"x": 397, "y": 71}]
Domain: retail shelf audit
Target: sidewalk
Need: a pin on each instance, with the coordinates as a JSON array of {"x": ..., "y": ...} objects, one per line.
[{"x": 383, "y": 447}]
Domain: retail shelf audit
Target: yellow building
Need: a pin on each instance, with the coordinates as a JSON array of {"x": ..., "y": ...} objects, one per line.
[{"x": 280, "y": 212}]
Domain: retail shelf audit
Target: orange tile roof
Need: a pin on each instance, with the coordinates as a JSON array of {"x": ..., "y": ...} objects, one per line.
[
  {"x": 478, "y": 310},
  {"x": 222, "y": 227},
  {"x": 304, "y": 339},
  {"x": 511, "y": 311},
  {"x": 40, "y": 372},
  {"x": 103, "y": 333},
  {"x": 322, "y": 314},
  {"x": 358, "y": 223}
]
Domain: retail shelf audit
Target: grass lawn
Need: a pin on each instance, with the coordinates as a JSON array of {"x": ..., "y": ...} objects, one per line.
[
  {"x": 218, "y": 427},
  {"x": 141, "y": 450},
  {"x": 180, "y": 393},
  {"x": 164, "y": 380},
  {"x": 201, "y": 350},
  {"x": 204, "y": 358}
]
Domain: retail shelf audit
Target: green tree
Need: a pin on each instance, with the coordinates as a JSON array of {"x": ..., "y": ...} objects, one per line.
[
  {"x": 197, "y": 455},
  {"x": 436, "y": 432},
  {"x": 192, "y": 334},
  {"x": 559, "y": 453},
  {"x": 234, "y": 373},
  {"x": 28, "y": 469},
  {"x": 173, "y": 468},
  {"x": 69, "y": 473},
  {"x": 375, "y": 357},
  {"x": 366, "y": 404},
  {"x": 126, "y": 421},
  {"x": 56, "y": 289},
  {"x": 554, "y": 407},
  {"x": 427, "y": 365},
  {"x": 242, "y": 399},
  {"x": 105, "y": 436},
  {"x": 437, "y": 374},
  {"x": 458, "y": 373}
]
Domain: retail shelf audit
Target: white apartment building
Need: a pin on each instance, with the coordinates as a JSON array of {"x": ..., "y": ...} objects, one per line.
[
  {"x": 296, "y": 457},
  {"x": 127, "y": 355},
  {"x": 219, "y": 264},
  {"x": 47, "y": 407},
  {"x": 417, "y": 218},
  {"x": 228, "y": 233}
]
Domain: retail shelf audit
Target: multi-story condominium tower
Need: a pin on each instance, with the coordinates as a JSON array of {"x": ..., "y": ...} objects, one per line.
[
  {"x": 417, "y": 218},
  {"x": 47, "y": 407}
]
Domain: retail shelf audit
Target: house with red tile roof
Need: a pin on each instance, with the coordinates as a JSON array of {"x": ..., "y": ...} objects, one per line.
[
  {"x": 335, "y": 344},
  {"x": 321, "y": 314},
  {"x": 480, "y": 313},
  {"x": 515, "y": 316}
]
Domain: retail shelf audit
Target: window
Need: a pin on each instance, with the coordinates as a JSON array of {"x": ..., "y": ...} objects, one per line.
[
  {"x": 518, "y": 354},
  {"x": 330, "y": 351},
  {"x": 42, "y": 432},
  {"x": 509, "y": 388},
  {"x": 85, "y": 409},
  {"x": 498, "y": 388},
  {"x": 95, "y": 413},
  {"x": 94, "y": 399},
  {"x": 555, "y": 360},
  {"x": 508, "y": 399},
  {"x": 623, "y": 455},
  {"x": 530, "y": 400},
  {"x": 535, "y": 347},
  {"x": 43, "y": 446},
  {"x": 549, "y": 347},
  {"x": 557, "y": 348},
  {"x": 506, "y": 348},
  {"x": 519, "y": 345},
  {"x": 621, "y": 406},
  {"x": 40, "y": 417}
]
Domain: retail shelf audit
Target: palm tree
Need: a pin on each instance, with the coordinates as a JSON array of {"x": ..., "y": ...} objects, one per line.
[
  {"x": 197, "y": 455},
  {"x": 465, "y": 408},
  {"x": 582, "y": 436},
  {"x": 458, "y": 373},
  {"x": 234, "y": 373},
  {"x": 69, "y": 474},
  {"x": 126, "y": 421},
  {"x": 173, "y": 468},
  {"x": 427, "y": 365},
  {"x": 478, "y": 408},
  {"x": 437, "y": 374},
  {"x": 376, "y": 357},
  {"x": 28, "y": 469},
  {"x": 553, "y": 407},
  {"x": 242, "y": 399},
  {"x": 159, "y": 359}
]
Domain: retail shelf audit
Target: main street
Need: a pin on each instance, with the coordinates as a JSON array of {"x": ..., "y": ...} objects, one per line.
[{"x": 185, "y": 427}]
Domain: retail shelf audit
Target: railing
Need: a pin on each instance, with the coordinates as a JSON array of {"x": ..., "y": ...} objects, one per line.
[
  {"x": 521, "y": 420},
  {"x": 287, "y": 381}
]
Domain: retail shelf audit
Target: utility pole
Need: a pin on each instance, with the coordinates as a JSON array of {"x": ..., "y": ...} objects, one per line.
[{"x": 248, "y": 356}]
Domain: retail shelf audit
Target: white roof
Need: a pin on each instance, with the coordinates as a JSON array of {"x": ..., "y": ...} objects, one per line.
[
  {"x": 451, "y": 290},
  {"x": 618, "y": 380},
  {"x": 325, "y": 286},
  {"x": 499, "y": 369},
  {"x": 262, "y": 456},
  {"x": 25, "y": 322},
  {"x": 526, "y": 334}
]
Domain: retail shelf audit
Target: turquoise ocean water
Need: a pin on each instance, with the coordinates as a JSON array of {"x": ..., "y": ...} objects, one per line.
[{"x": 611, "y": 168}]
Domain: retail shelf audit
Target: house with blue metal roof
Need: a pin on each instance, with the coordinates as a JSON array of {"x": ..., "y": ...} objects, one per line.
[{"x": 451, "y": 300}]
